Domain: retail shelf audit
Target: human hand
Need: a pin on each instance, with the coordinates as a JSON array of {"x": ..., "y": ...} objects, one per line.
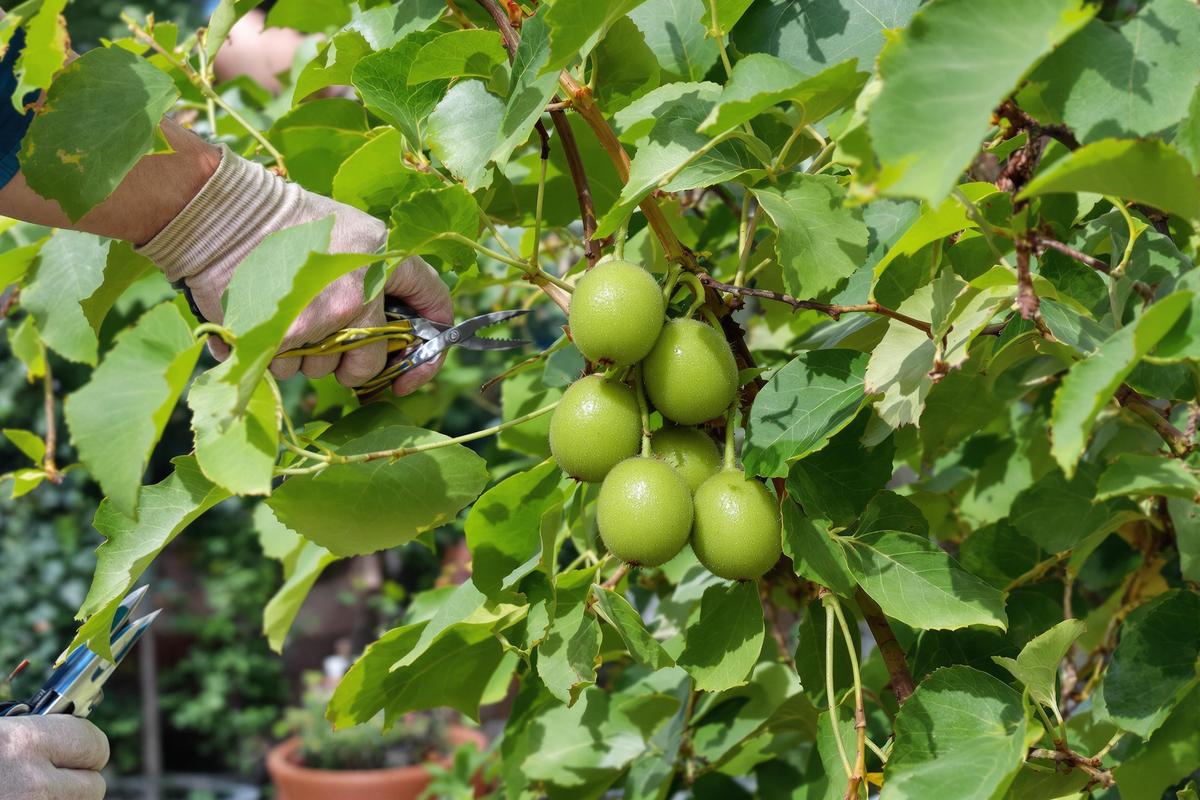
[
  {"x": 56, "y": 757},
  {"x": 240, "y": 206}
]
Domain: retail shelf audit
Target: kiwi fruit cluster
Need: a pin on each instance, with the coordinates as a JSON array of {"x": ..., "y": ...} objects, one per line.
[{"x": 655, "y": 500}]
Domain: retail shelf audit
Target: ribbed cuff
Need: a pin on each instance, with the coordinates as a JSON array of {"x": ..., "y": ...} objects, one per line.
[{"x": 226, "y": 219}]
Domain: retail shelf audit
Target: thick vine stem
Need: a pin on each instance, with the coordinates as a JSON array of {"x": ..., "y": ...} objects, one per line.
[
  {"x": 833, "y": 311},
  {"x": 587, "y": 207},
  {"x": 893, "y": 654}
]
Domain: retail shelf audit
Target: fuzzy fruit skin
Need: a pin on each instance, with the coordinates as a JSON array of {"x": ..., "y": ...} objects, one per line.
[
  {"x": 595, "y": 426},
  {"x": 690, "y": 374},
  {"x": 616, "y": 313},
  {"x": 689, "y": 451},
  {"x": 737, "y": 531},
  {"x": 644, "y": 511}
]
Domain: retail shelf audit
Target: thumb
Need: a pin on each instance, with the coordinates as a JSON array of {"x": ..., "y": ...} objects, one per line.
[{"x": 421, "y": 288}]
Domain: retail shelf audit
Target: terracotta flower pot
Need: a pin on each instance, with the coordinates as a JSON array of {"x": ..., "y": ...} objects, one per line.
[{"x": 294, "y": 781}]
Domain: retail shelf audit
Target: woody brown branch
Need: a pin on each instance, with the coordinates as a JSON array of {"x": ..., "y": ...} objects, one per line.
[
  {"x": 833, "y": 311},
  {"x": 902, "y": 684},
  {"x": 1176, "y": 440}
]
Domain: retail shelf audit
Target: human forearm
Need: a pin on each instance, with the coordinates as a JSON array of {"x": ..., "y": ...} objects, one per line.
[{"x": 152, "y": 194}]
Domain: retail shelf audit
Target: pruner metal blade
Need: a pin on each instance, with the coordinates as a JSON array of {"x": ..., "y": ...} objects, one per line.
[
  {"x": 464, "y": 335},
  {"x": 76, "y": 684}
]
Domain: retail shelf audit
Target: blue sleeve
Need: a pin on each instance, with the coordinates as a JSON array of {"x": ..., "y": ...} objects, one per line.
[{"x": 13, "y": 123}]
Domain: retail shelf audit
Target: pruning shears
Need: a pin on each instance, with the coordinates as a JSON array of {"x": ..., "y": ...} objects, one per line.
[
  {"x": 412, "y": 340},
  {"x": 76, "y": 685}
]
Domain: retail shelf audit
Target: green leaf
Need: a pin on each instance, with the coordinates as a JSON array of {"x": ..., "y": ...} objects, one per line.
[
  {"x": 1154, "y": 663},
  {"x": 569, "y": 655},
  {"x": 281, "y": 610},
  {"x": 812, "y": 36},
  {"x": 1124, "y": 81},
  {"x": 1185, "y": 515},
  {"x": 572, "y": 746},
  {"x": 69, "y": 269},
  {"x": 1036, "y": 667},
  {"x": 28, "y": 443},
  {"x": 393, "y": 501},
  {"x": 524, "y": 393},
  {"x": 614, "y": 609},
  {"x": 226, "y": 13},
  {"x": 1169, "y": 756},
  {"x": 958, "y": 722},
  {"x": 1141, "y": 475},
  {"x": 504, "y": 528},
  {"x": 15, "y": 263},
  {"x": 625, "y": 67},
  {"x": 474, "y": 52},
  {"x": 889, "y": 511},
  {"x": 804, "y": 404},
  {"x": 122, "y": 269},
  {"x": 130, "y": 544},
  {"x": 27, "y": 347},
  {"x": 724, "y": 637},
  {"x": 916, "y": 582},
  {"x": 1058, "y": 512},
  {"x": 937, "y": 222},
  {"x": 1143, "y": 170},
  {"x": 374, "y": 177},
  {"x": 447, "y": 673},
  {"x": 760, "y": 81},
  {"x": 116, "y": 448},
  {"x": 572, "y": 24},
  {"x": 276, "y": 539},
  {"x": 45, "y": 51},
  {"x": 333, "y": 66},
  {"x": 816, "y": 552},
  {"x": 674, "y": 32},
  {"x": 947, "y": 64},
  {"x": 728, "y": 13},
  {"x": 839, "y": 481},
  {"x": 309, "y": 16},
  {"x": 673, "y": 156},
  {"x": 529, "y": 89},
  {"x": 1187, "y": 135},
  {"x": 1090, "y": 384},
  {"x": 821, "y": 240},
  {"x": 464, "y": 129},
  {"x": 241, "y": 456},
  {"x": 385, "y": 25},
  {"x": 107, "y": 89},
  {"x": 421, "y": 218},
  {"x": 382, "y": 80}
]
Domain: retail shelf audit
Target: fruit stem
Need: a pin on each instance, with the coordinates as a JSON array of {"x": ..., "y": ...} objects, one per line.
[
  {"x": 619, "y": 240},
  {"x": 730, "y": 461},
  {"x": 669, "y": 284},
  {"x": 696, "y": 288},
  {"x": 860, "y": 720},
  {"x": 639, "y": 389},
  {"x": 711, "y": 316},
  {"x": 830, "y": 694}
]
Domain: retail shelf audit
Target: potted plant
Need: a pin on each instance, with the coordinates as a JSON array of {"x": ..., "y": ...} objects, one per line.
[{"x": 316, "y": 762}]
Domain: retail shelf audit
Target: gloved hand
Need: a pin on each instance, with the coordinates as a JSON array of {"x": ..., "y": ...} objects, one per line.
[
  {"x": 240, "y": 206},
  {"x": 56, "y": 757}
]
